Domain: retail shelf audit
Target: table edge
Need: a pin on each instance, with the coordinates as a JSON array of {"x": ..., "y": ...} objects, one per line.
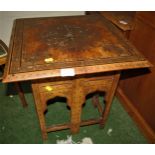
[{"x": 78, "y": 71}]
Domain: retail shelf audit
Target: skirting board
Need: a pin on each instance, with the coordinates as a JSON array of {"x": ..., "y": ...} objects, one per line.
[{"x": 136, "y": 116}]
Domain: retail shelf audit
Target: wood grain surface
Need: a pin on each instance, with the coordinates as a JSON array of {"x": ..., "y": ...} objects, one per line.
[{"x": 67, "y": 42}]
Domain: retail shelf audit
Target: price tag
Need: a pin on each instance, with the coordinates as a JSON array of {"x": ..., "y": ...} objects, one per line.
[{"x": 67, "y": 72}]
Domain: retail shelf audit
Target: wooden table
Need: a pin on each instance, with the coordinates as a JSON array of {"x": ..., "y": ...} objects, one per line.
[{"x": 70, "y": 57}]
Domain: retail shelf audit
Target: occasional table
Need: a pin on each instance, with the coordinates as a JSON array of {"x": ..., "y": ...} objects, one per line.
[{"x": 70, "y": 57}]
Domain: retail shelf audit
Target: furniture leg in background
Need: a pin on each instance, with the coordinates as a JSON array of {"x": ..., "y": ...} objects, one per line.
[{"x": 21, "y": 94}]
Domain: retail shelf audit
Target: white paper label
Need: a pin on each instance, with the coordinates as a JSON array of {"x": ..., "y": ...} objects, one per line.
[
  {"x": 123, "y": 22},
  {"x": 67, "y": 72}
]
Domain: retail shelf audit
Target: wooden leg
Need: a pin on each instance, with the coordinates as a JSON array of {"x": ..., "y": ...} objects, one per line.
[
  {"x": 40, "y": 110},
  {"x": 76, "y": 107},
  {"x": 75, "y": 118},
  {"x": 96, "y": 103},
  {"x": 21, "y": 94},
  {"x": 108, "y": 100},
  {"x": 95, "y": 100}
]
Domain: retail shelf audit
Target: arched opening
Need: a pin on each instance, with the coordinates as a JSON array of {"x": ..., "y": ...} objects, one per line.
[
  {"x": 57, "y": 111},
  {"x": 90, "y": 108}
]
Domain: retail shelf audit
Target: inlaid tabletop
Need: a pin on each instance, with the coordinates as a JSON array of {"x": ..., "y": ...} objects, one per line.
[{"x": 42, "y": 47}]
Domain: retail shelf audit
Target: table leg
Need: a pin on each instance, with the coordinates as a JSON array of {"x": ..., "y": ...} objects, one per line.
[
  {"x": 21, "y": 94},
  {"x": 75, "y": 117},
  {"x": 78, "y": 99},
  {"x": 108, "y": 100},
  {"x": 40, "y": 110}
]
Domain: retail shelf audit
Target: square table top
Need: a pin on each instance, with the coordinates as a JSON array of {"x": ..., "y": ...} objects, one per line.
[{"x": 42, "y": 47}]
